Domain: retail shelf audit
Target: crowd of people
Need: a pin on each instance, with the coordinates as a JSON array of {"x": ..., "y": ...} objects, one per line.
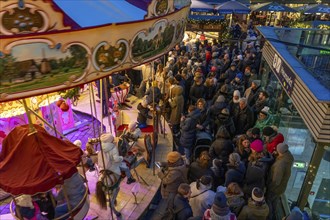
[{"x": 206, "y": 87}]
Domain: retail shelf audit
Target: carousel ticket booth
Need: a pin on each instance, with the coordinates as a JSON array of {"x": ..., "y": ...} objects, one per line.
[{"x": 301, "y": 100}]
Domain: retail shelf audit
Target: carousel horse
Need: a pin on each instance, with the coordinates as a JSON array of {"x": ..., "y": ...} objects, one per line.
[{"x": 108, "y": 183}]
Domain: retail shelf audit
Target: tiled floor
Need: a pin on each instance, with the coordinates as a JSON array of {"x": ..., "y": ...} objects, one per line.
[{"x": 125, "y": 203}]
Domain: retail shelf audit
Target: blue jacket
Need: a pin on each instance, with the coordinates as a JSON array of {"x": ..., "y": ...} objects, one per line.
[
  {"x": 235, "y": 174},
  {"x": 188, "y": 129},
  {"x": 182, "y": 208}
]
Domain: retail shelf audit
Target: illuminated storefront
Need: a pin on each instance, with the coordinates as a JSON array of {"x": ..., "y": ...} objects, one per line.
[{"x": 301, "y": 100}]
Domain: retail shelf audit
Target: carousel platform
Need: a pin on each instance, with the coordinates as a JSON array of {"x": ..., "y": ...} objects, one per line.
[{"x": 130, "y": 206}]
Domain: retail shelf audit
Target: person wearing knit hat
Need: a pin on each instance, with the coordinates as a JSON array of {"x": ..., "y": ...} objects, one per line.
[
  {"x": 236, "y": 170},
  {"x": 278, "y": 176},
  {"x": 256, "y": 208},
  {"x": 202, "y": 195},
  {"x": 112, "y": 160},
  {"x": 257, "y": 146},
  {"x": 282, "y": 148},
  {"x": 265, "y": 119},
  {"x": 272, "y": 138},
  {"x": 219, "y": 209},
  {"x": 173, "y": 175}
]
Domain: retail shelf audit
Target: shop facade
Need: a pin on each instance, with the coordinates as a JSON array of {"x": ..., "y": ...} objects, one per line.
[{"x": 301, "y": 103}]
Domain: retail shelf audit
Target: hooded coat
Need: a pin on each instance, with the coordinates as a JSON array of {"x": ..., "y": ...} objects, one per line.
[
  {"x": 243, "y": 119},
  {"x": 200, "y": 199},
  {"x": 171, "y": 179},
  {"x": 112, "y": 160},
  {"x": 222, "y": 147},
  {"x": 274, "y": 141},
  {"x": 253, "y": 212},
  {"x": 188, "y": 129},
  {"x": 176, "y": 103},
  {"x": 235, "y": 174},
  {"x": 235, "y": 202}
]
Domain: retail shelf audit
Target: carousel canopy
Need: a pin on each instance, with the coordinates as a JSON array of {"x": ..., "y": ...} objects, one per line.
[
  {"x": 32, "y": 163},
  {"x": 94, "y": 13}
]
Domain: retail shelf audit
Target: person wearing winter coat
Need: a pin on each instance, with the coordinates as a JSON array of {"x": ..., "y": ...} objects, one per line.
[
  {"x": 143, "y": 114},
  {"x": 153, "y": 94},
  {"x": 219, "y": 209},
  {"x": 202, "y": 196},
  {"x": 236, "y": 170},
  {"x": 222, "y": 147},
  {"x": 272, "y": 138},
  {"x": 279, "y": 176},
  {"x": 204, "y": 121},
  {"x": 258, "y": 166},
  {"x": 181, "y": 206},
  {"x": 112, "y": 160},
  {"x": 215, "y": 110},
  {"x": 210, "y": 90},
  {"x": 257, "y": 208},
  {"x": 188, "y": 130},
  {"x": 200, "y": 167},
  {"x": 243, "y": 117},
  {"x": 173, "y": 175},
  {"x": 235, "y": 198},
  {"x": 197, "y": 90},
  {"x": 74, "y": 189},
  {"x": 261, "y": 102},
  {"x": 234, "y": 102},
  {"x": 251, "y": 93},
  {"x": 177, "y": 104},
  {"x": 224, "y": 119},
  {"x": 265, "y": 119},
  {"x": 237, "y": 83},
  {"x": 243, "y": 148}
]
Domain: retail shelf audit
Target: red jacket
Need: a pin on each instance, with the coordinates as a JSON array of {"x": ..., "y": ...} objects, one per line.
[{"x": 271, "y": 146}]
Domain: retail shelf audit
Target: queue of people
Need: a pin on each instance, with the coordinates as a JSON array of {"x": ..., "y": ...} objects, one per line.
[{"x": 244, "y": 172}]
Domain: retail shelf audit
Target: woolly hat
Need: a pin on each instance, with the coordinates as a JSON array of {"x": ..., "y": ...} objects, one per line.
[
  {"x": 265, "y": 110},
  {"x": 256, "y": 82},
  {"x": 237, "y": 93},
  {"x": 257, "y": 145},
  {"x": 282, "y": 148},
  {"x": 131, "y": 125},
  {"x": 213, "y": 68},
  {"x": 173, "y": 156},
  {"x": 106, "y": 138},
  {"x": 77, "y": 143},
  {"x": 220, "y": 206},
  {"x": 268, "y": 131},
  {"x": 255, "y": 131},
  {"x": 257, "y": 194},
  {"x": 233, "y": 64},
  {"x": 240, "y": 57},
  {"x": 295, "y": 214},
  {"x": 239, "y": 75}
]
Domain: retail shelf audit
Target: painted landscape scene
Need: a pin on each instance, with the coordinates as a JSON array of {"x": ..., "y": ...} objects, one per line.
[{"x": 36, "y": 66}]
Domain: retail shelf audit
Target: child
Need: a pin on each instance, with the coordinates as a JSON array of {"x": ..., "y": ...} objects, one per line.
[{"x": 143, "y": 114}]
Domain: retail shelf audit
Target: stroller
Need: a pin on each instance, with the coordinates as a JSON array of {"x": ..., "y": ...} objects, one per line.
[{"x": 203, "y": 143}]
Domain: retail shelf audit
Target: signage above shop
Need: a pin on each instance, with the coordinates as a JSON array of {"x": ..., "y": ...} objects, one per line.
[{"x": 283, "y": 73}]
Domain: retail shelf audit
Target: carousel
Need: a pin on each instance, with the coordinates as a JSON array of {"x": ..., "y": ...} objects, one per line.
[{"x": 48, "y": 49}]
